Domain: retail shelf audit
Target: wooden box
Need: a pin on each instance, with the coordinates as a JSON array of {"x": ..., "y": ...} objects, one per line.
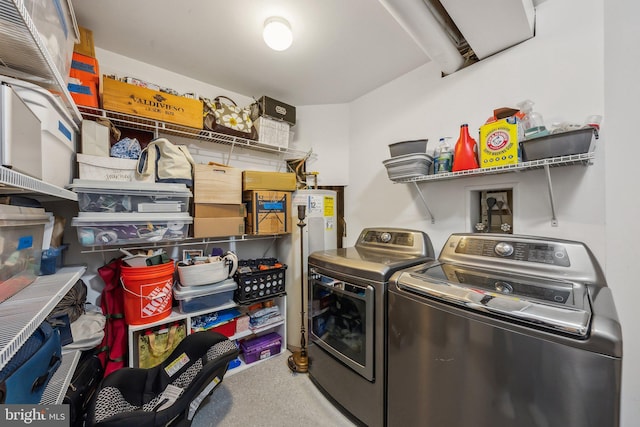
[
  {"x": 139, "y": 101},
  {"x": 259, "y": 180},
  {"x": 217, "y": 184}
]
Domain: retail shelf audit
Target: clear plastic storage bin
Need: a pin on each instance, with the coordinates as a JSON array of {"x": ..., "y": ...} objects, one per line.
[
  {"x": 197, "y": 298},
  {"x": 101, "y": 229},
  {"x": 145, "y": 197}
]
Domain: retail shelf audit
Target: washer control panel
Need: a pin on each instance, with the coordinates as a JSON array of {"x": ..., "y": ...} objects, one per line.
[{"x": 552, "y": 253}]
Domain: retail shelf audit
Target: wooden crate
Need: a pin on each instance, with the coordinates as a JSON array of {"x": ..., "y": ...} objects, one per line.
[
  {"x": 216, "y": 183},
  {"x": 139, "y": 101}
]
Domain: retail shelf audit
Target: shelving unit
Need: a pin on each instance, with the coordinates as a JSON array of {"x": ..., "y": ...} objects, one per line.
[
  {"x": 158, "y": 128},
  {"x": 23, "y": 313},
  {"x": 26, "y": 56},
  {"x": 583, "y": 159},
  {"x": 177, "y": 316}
]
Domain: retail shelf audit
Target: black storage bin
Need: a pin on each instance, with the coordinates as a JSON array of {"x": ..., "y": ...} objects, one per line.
[{"x": 259, "y": 279}]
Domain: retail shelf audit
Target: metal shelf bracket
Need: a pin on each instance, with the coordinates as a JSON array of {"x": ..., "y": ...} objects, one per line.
[
  {"x": 424, "y": 201},
  {"x": 554, "y": 219}
]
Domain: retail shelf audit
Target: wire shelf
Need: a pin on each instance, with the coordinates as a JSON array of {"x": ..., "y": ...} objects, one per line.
[
  {"x": 574, "y": 159},
  {"x": 59, "y": 383},
  {"x": 23, "y": 54},
  {"x": 23, "y": 313},
  {"x": 12, "y": 182},
  {"x": 158, "y": 127}
]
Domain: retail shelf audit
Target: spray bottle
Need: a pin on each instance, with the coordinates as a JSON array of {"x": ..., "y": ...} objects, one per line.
[{"x": 443, "y": 158}]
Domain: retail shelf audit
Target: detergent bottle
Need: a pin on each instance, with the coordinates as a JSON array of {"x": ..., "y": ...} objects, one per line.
[
  {"x": 443, "y": 158},
  {"x": 465, "y": 155}
]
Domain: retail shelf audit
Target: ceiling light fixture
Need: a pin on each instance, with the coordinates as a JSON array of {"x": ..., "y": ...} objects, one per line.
[{"x": 277, "y": 33}]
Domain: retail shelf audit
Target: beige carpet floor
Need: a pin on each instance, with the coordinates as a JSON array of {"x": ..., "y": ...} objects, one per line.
[{"x": 268, "y": 394}]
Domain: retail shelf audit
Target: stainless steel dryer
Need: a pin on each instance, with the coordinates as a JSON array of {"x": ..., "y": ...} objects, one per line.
[
  {"x": 503, "y": 330},
  {"x": 347, "y": 317}
]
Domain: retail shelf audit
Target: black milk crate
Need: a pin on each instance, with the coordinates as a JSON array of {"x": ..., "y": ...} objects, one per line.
[{"x": 259, "y": 279}]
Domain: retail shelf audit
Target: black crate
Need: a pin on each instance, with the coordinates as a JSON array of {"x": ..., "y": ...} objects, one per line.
[{"x": 259, "y": 279}]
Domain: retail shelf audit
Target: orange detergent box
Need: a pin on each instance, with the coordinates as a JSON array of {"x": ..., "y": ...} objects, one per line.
[{"x": 499, "y": 143}]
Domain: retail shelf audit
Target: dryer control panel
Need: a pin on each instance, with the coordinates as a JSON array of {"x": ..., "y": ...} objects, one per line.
[{"x": 547, "y": 253}]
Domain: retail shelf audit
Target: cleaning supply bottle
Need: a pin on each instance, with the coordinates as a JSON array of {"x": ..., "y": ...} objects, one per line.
[
  {"x": 465, "y": 155},
  {"x": 443, "y": 158}
]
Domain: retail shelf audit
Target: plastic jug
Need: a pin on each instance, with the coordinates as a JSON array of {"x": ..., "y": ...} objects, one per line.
[
  {"x": 465, "y": 155},
  {"x": 443, "y": 158}
]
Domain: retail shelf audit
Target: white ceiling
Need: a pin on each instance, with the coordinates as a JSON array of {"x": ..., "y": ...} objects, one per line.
[{"x": 342, "y": 49}]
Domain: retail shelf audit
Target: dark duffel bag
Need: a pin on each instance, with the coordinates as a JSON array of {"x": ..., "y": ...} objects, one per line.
[
  {"x": 27, "y": 374},
  {"x": 84, "y": 383}
]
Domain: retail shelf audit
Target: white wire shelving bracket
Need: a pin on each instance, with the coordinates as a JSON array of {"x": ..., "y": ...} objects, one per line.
[{"x": 584, "y": 159}]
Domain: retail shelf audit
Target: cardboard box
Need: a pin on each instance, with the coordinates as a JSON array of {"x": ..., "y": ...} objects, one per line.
[
  {"x": 217, "y": 227},
  {"x": 259, "y": 180},
  {"x": 217, "y": 184},
  {"x": 277, "y": 110},
  {"x": 85, "y": 46},
  {"x": 138, "y": 101},
  {"x": 83, "y": 93},
  {"x": 207, "y": 210},
  {"x": 85, "y": 69},
  {"x": 95, "y": 139},
  {"x": 268, "y": 212},
  {"x": 499, "y": 143}
]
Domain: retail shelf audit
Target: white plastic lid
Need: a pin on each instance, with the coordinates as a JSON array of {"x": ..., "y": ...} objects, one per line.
[
  {"x": 185, "y": 292},
  {"x": 118, "y": 218},
  {"x": 129, "y": 187}
]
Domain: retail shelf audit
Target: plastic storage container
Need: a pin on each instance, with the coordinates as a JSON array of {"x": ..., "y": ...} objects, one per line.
[
  {"x": 408, "y": 166},
  {"x": 101, "y": 168},
  {"x": 196, "y": 298},
  {"x": 100, "y": 196},
  {"x": 21, "y": 234},
  {"x": 408, "y": 147},
  {"x": 255, "y": 284},
  {"x": 559, "y": 144},
  {"x": 101, "y": 229},
  {"x": 59, "y": 131},
  {"x": 58, "y": 29},
  {"x": 261, "y": 347}
]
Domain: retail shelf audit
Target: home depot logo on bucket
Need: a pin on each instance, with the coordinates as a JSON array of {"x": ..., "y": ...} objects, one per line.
[{"x": 157, "y": 300}]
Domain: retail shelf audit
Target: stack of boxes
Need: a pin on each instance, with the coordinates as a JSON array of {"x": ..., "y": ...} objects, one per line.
[
  {"x": 84, "y": 82},
  {"x": 268, "y": 199},
  {"x": 218, "y": 209}
]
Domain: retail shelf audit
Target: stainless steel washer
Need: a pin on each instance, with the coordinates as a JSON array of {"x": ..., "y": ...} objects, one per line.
[
  {"x": 347, "y": 317},
  {"x": 508, "y": 331}
]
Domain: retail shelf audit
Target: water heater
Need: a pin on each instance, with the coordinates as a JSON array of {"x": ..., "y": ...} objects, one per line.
[{"x": 318, "y": 234}]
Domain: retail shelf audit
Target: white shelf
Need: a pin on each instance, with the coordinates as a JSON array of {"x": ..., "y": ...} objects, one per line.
[
  {"x": 584, "y": 159},
  {"x": 158, "y": 127},
  {"x": 191, "y": 241},
  {"x": 12, "y": 182},
  {"x": 575, "y": 159},
  {"x": 23, "y": 54},
  {"x": 59, "y": 383},
  {"x": 25, "y": 311}
]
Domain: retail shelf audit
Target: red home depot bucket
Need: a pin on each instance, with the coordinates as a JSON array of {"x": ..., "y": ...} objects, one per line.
[{"x": 147, "y": 292}]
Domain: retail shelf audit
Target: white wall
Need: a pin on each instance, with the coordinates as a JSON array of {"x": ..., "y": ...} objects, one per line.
[
  {"x": 325, "y": 130},
  {"x": 621, "y": 63},
  {"x": 561, "y": 70}
]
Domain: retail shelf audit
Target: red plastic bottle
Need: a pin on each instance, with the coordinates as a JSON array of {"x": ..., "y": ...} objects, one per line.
[{"x": 465, "y": 154}]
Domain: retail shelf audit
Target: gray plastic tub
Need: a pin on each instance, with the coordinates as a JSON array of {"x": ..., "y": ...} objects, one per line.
[
  {"x": 408, "y": 166},
  {"x": 408, "y": 147},
  {"x": 559, "y": 144}
]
